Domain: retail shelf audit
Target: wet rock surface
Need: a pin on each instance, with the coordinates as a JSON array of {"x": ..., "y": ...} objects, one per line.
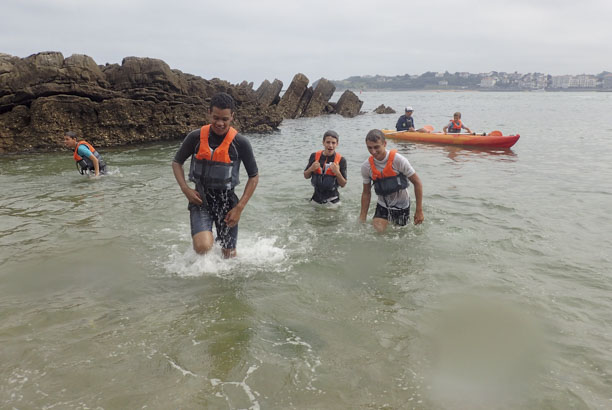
[{"x": 139, "y": 100}]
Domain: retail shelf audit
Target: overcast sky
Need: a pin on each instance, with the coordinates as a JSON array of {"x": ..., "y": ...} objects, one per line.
[{"x": 253, "y": 40}]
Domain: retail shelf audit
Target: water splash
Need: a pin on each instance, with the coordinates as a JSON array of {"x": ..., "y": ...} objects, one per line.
[{"x": 255, "y": 253}]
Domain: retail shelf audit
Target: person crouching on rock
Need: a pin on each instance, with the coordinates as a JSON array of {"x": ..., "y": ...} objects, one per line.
[
  {"x": 86, "y": 157},
  {"x": 327, "y": 170}
]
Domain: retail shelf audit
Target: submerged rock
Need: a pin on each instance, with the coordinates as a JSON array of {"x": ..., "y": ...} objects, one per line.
[{"x": 382, "y": 109}]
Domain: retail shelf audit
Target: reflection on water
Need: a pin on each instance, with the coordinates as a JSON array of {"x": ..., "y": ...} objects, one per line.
[{"x": 500, "y": 299}]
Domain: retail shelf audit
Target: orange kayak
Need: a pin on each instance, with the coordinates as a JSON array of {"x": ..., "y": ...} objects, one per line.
[{"x": 493, "y": 140}]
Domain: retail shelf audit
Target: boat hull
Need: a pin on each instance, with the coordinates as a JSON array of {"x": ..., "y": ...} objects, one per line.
[{"x": 483, "y": 141}]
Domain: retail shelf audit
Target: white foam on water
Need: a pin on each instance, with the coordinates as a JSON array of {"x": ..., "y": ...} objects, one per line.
[
  {"x": 113, "y": 171},
  {"x": 250, "y": 393},
  {"x": 309, "y": 358},
  {"x": 253, "y": 255},
  {"x": 179, "y": 368}
]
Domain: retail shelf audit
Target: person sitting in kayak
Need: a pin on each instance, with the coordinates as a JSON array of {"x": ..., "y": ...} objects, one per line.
[
  {"x": 406, "y": 122},
  {"x": 455, "y": 125},
  {"x": 326, "y": 170}
]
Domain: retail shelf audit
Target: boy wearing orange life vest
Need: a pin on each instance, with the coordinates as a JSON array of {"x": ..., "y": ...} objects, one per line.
[
  {"x": 86, "y": 157},
  {"x": 326, "y": 170},
  {"x": 216, "y": 151},
  {"x": 455, "y": 125},
  {"x": 390, "y": 173}
]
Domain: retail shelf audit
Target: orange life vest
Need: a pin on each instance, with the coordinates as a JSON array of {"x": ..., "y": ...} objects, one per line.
[
  {"x": 323, "y": 179},
  {"x": 328, "y": 171},
  {"x": 85, "y": 164},
  {"x": 76, "y": 155},
  {"x": 221, "y": 153},
  {"x": 212, "y": 169},
  {"x": 456, "y": 126},
  {"x": 388, "y": 181}
]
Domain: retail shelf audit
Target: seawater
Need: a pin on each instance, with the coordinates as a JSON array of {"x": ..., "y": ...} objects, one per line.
[{"x": 500, "y": 299}]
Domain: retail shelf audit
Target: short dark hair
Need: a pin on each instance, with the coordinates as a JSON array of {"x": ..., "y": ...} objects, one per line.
[
  {"x": 222, "y": 101},
  {"x": 71, "y": 134},
  {"x": 375, "y": 135},
  {"x": 331, "y": 133}
]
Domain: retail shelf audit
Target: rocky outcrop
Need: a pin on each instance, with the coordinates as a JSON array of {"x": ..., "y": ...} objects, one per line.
[
  {"x": 382, "y": 109},
  {"x": 143, "y": 99},
  {"x": 289, "y": 105},
  {"x": 302, "y": 101},
  {"x": 320, "y": 96},
  {"x": 268, "y": 93},
  {"x": 348, "y": 105}
]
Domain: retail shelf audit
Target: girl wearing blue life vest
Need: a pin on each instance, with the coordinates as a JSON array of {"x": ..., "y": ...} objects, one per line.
[{"x": 455, "y": 125}]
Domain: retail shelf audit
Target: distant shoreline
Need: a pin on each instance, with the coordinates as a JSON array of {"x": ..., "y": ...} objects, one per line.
[{"x": 356, "y": 90}]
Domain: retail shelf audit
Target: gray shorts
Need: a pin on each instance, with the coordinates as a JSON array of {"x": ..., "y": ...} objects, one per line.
[{"x": 202, "y": 218}]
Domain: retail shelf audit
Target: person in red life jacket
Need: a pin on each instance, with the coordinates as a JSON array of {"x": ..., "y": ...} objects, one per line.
[
  {"x": 326, "y": 170},
  {"x": 455, "y": 125},
  {"x": 391, "y": 174},
  {"x": 86, "y": 157},
  {"x": 216, "y": 151}
]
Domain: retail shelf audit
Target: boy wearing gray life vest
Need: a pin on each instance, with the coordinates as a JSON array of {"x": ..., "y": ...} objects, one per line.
[
  {"x": 86, "y": 157},
  {"x": 390, "y": 173},
  {"x": 216, "y": 151},
  {"x": 326, "y": 170}
]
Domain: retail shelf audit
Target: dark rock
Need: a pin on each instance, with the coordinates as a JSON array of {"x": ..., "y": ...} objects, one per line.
[
  {"x": 268, "y": 93},
  {"x": 306, "y": 97},
  {"x": 142, "y": 99},
  {"x": 45, "y": 74},
  {"x": 319, "y": 99},
  {"x": 348, "y": 105},
  {"x": 289, "y": 105},
  {"x": 382, "y": 109}
]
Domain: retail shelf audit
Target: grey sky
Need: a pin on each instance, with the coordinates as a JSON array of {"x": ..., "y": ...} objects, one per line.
[{"x": 257, "y": 39}]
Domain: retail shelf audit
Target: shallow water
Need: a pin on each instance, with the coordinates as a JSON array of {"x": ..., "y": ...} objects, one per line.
[{"x": 500, "y": 299}]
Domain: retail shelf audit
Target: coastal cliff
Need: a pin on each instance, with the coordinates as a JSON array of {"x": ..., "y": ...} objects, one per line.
[{"x": 141, "y": 100}]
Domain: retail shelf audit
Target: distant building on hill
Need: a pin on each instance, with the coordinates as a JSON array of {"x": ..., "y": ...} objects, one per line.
[{"x": 488, "y": 82}]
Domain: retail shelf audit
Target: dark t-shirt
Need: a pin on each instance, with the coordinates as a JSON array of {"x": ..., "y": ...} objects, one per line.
[
  {"x": 240, "y": 151},
  {"x": 318, "y": 196},
  {"x": 404, "y": 123}
]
